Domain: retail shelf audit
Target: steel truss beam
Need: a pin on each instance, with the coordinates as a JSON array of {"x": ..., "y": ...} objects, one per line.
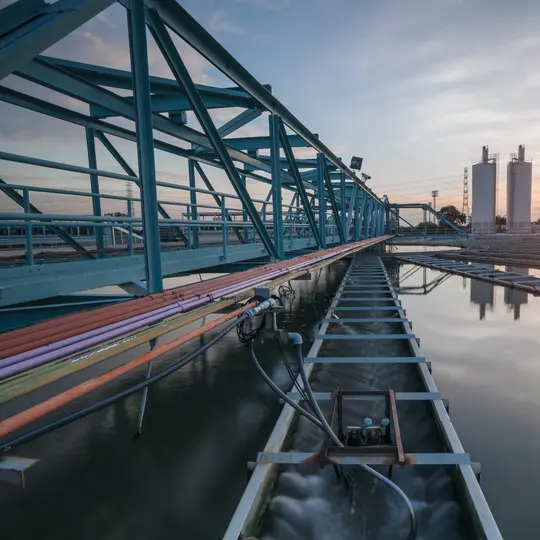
[
  {"x": 30, "y": 27},
  {"x": 181, "y": 74},
  {"x": 217, "y": 199},
  {"x": 299, "y": 183},
  {"x": 61, "y": 113},
  {"x": 41, "y": 72},
  {"x": 14, "y": 196},
  {"x": 124, "y": 164},
  {"x": 183, "y": 24}
]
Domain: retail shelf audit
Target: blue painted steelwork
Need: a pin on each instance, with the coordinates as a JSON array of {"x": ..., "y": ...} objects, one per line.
[
  {"x": 94, "y": 186},
  {"x": 302, "y": 212},
  {"x": 277, "y": 203},
  {"x": 145, "y": 144}
]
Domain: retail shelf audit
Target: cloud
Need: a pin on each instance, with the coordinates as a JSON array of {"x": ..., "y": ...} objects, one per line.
[{"x": 219, "y": 22}]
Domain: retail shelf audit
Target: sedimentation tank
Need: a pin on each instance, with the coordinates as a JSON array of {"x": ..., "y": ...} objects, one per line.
[
  {"x": 518, "y": 193},
  {"x": 484, "y": 189}
]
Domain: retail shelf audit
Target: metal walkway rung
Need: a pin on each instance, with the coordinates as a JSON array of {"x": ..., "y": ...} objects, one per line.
[
  {"x": 371, "y": 308},
  {"x": 368, "y": 291},
  {"x": 366, "y": 320},
  {"x": 400, "y": 396},
  {"x": 365, "y": 360},
  {"x": 364, "y": 336},
  {"x": 366, "y": 299},
  {"x": 365, "y": 274},
  {"x": 366, "y": 285},
  {"x": 295, "y": 458}
]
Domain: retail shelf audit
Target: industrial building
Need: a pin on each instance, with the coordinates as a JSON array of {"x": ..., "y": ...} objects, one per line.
[
  {"x": 484, "y": 190},
  {"x": 518, "y": 193}
]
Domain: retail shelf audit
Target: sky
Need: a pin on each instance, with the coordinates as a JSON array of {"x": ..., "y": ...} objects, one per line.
[{"x": 415, "y": 87}]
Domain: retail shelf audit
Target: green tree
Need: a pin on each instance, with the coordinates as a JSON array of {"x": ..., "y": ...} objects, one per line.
[
  {"x": 500, "y": 220},
  {"x": 452, "y": 214}
]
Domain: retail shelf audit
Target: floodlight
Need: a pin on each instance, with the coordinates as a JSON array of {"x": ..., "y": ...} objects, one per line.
[{"x": 356, "y": 163}]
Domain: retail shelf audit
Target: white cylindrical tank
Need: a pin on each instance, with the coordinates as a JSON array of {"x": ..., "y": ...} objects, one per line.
[
  {"x": 518, "y": 193},
  {"x": 484, "y": 189}
]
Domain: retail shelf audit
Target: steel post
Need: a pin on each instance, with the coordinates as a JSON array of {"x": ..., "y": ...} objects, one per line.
[
  {"x": 130, "y": 228},
  {"x": 224, "y": 231},
  {"x": 352, "y": 210},
  {"x": 343, "y": 208},
  {"x": 28, "y": 230},
  {"x": 358, "y": 216},
  {"x": 333, "y": 204},
  {"x": 321, "y": 165},
  {"x": 367, "y": 215},
  {"x": 145, "y": 144},
  {"x": 193, "y": 201},
  {"x": 276, "y": 185},
  {"x": 94, "y": 187}
]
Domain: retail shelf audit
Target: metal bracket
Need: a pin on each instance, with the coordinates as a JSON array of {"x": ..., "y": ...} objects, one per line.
[{"x": 12, "y": 470}]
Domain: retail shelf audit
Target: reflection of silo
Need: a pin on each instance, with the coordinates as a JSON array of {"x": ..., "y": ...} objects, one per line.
[
  {"x": 482, "y": 294},
  {"x": 515, "y": 297},
  {"x": 518, "y": 193},
  {"x": 484, "y": 184}
]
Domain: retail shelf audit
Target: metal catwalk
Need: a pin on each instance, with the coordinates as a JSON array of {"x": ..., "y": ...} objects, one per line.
[{"x": 366, "y": 358}]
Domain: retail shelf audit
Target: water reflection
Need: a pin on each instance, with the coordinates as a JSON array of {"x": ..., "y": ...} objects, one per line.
[
  {"x": 488, "y": 368},
  {"x": 425, "y": 286},
  {"x": 417, "y": 280},
  {"x": 515, "y": 298},
  {"x": 483, "y": 295}
]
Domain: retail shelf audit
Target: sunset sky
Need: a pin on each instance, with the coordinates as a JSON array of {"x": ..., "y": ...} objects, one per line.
[{"x": 416, "y": 87}]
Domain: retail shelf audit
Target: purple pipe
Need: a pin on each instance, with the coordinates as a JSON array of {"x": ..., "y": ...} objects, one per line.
[
  {"x": 166, "y": 311},
  {"x": 70, "y": 345},
  {"x": 86, "y": 335},
  {"x": 24, "y": 361}
]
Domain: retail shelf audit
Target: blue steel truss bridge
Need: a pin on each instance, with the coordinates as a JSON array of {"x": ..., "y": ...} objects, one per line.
[{"x": 129, "y": 120}]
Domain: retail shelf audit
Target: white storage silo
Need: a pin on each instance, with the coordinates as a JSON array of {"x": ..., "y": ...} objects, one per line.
[
  {"x": 518, "y": 193},
  {"x": 484, "y": 189}
]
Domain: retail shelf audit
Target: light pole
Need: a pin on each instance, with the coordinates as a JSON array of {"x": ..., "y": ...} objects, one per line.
[{"x": 434, "y": 194}]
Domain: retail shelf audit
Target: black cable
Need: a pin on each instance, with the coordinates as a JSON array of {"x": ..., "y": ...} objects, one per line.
[
  {"x": 120, "y": 395},
  {"x": 291, "y": 374},
  {"x": 278, "y": 390},
  {"x": 247, "y": 336}
]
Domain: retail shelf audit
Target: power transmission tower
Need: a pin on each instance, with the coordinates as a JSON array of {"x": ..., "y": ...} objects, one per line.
[{"x": 465, "y": 205}]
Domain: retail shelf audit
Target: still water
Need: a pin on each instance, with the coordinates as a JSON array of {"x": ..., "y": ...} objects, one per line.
[
  {"x": 184, "y": 476},
  {"x": 483, "y": 341}
]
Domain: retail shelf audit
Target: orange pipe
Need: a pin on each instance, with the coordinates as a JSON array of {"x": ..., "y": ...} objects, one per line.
[
  {"x": 40, "y": 334},
  {"x": 41, "y": 409},
  {"x": 66, "y": 326}
]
